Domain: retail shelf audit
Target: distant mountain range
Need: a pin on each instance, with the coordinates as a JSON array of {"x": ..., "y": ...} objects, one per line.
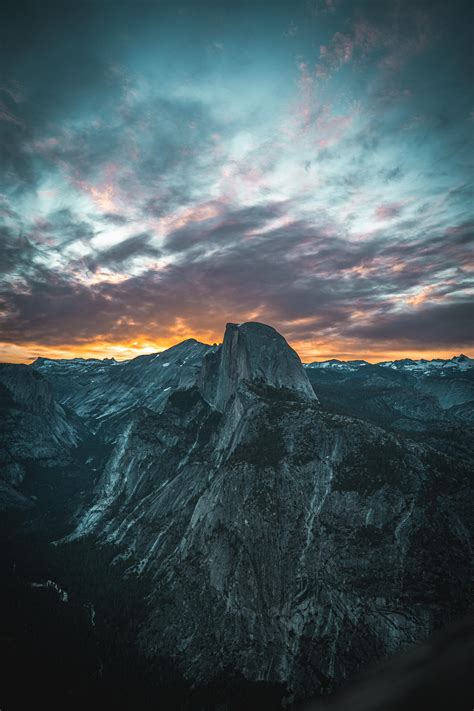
[
  {"x": 254, "y": 521},
  {"x": 460, "y": 362}
]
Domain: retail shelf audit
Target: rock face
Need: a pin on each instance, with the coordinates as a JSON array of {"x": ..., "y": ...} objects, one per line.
[
  {"x": 274, "y": 538},
  {"x": 35, "y": 429},
  {"x": 430, "y": 401},
  {"x": 100, "y": 390},
  {"x": 253, "y": 353}
]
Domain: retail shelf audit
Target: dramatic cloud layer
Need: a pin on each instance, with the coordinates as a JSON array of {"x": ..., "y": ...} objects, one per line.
[{"x": 168, "y": 168}]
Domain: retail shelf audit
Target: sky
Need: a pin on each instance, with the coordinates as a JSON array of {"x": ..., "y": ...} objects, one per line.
[{"x": 168, "y": 167}]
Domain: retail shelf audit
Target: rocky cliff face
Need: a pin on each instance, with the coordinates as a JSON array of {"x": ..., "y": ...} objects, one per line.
[
  {"x": 99, "y": 391},
  {"x": 274, "y": 538},
  {"x": 252, "y": 353},
  {"x": 35, "y": 429}
]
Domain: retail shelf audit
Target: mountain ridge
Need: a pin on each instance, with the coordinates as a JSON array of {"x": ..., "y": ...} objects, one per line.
[
  {"x": 283, "y": 522},
  {"x": 248, "y": 484},
  {"x": 41, "y": 360},
  {"x": 460, "y": 360}
]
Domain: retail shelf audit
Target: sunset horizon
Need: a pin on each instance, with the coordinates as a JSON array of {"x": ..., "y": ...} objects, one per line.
[{"x": 28, "y": 353}]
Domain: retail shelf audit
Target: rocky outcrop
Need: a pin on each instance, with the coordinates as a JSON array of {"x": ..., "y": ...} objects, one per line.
[
  {"x": 252, "y": 353},
  {"x": 274, "y": 538}
]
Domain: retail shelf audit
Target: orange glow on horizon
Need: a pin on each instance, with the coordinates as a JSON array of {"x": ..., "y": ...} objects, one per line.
[{"x": 307, "y": 350}]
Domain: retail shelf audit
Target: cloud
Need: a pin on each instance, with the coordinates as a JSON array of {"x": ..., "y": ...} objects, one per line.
[
  {"x": 388, "y": 212},
  {"x": 135, "y": 246},
  {"x": 114, "y": 218},
  {"x": 333, "y": 56},
  {"x": 157, "y": 178},
  {"x": 295, "y": 276},
  {"x": 394, "y": 33},
  {"x": 223, "y": 228},
  {"x": 64, "y": 227},
  {"x": 435, "y": 325},
  {"x": 16, "y": 251}
]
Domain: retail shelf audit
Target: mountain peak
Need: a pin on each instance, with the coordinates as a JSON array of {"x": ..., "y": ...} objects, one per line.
[{"x": 253, "y": 352}]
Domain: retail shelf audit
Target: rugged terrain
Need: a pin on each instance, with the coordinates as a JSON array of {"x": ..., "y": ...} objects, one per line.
[
  {"x": 35, "y": 429},
  {"x": 278, "y": 524}
]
